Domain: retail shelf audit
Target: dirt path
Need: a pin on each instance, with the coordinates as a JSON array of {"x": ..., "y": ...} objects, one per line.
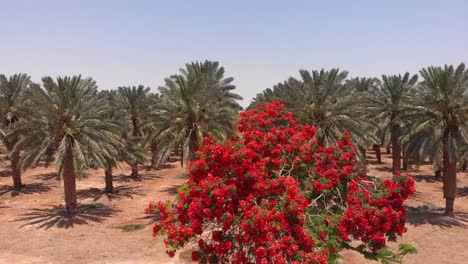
[{"x": 34, "y": 228}]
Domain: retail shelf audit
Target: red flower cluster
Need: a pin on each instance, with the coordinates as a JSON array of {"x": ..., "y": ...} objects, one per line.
[{"x": 271, "y": 194}]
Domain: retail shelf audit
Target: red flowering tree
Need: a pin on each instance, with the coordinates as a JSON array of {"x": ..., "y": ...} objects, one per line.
[{"x": 270, "y": 194}]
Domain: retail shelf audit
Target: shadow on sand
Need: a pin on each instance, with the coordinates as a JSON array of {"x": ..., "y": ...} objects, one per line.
[
  {"x": 424, "y": 214},
  {"x": 46, "y": 176},
  {"x": 27, "y": 189},
  {"x": 129, "y": 178},
  {"x": 122, "y": 191},
  {"x": 56, "y": 216},
  {"x": 172, "y": 190}
]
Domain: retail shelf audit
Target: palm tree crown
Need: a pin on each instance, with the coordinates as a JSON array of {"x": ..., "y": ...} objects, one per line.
[
  {"x": 66, "y": 123},
  {"x": 193, "y": 104}
]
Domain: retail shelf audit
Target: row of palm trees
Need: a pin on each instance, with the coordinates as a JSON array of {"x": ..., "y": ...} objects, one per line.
[
  {"x": 421, "y": 121},
  {"x": 69, "y": 122}
]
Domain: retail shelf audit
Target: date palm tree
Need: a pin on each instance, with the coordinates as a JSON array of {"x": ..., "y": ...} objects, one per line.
[
  {"x": 67, "y": 124},
  {"x": 322, "y": 98},
  {"x": 128, "y": 151},
  {"x": 12, "y": 92},
  {"x": 386, "y": 102},
  {"x": 361, "y": 87},
  {"x": 195, "y": 103},
  {"x": 134, "y": 101},
  {"x": 439, "y": 114}
]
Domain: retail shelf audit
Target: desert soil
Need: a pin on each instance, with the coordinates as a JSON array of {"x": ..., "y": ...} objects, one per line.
[{"x": 114, "y": 229}]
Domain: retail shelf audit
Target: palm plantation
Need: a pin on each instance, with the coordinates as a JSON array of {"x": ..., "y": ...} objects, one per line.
[{"x": 67, "y": 122}]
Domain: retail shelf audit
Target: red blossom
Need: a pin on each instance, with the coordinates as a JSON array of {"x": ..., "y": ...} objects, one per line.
[{"x": 270, "y": 194}]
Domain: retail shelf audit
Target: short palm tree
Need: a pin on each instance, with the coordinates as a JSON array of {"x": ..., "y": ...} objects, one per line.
[
  {"x": 361, "y": 87},
  {"x": 386, "y": 102},
  {"x": 134, "y": 102},
  {"x": 439, "y": 114},
  {"x": 129, "y": 151},
  {"x": 12, "y": 92},
  {"x": 289, "y": 92},
  {"x": 195, "y": 103},
  {"x": 66, "y": 123}
]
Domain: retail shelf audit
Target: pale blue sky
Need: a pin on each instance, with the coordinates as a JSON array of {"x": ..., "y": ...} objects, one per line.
[{"x": 259, "y": 42}]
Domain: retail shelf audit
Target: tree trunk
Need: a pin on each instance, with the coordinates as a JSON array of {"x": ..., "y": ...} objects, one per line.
[
  {"x": 135, "y": 171},
  {"x": 14, "y": 164},
  {"x": 182, "y": 157},
  {"x": 396, "y": 148},
  {"x": 135, "y": 133},
  {"x": 176, "y": 150},
  {"x": 193, "y": 145},
  {"x": 108, "y": 178},
  {"x": 449, "y": 171},
  {"x": 389, "y": 151},
  {"x": 378, "y": 154},
  {"x": 464, "y": 165},
  {"x": 154, "y": 152},
  {"x": 16, "y": 172},
  {"x": 405, "y": 161},
  {"x": 438, "y": 174},
  {"x": 69, "y": 182}
]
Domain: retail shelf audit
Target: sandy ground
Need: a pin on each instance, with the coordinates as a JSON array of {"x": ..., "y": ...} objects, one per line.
[{"x": 34, "y": 228}]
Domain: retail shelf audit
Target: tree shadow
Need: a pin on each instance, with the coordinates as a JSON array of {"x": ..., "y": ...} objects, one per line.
[
  {"x": 425, "y": 178},
  {"x": 171, "y": 190},
  {"x": 424, "y": 214},
  {"x": 5, "y": 173},
  {"x": 383, "y": 168},
  {"x": 462, "y": 192},
  {"x": 46, "y": 176},
  {"x": 374, "y": 162},
  {"x": 151, "y": 218},
  {"x": 129, "y": 178},
  {"x": 31, "y": 188},
  {"x": 56, "y": 216},
  {"x": 120, "y": 192}
]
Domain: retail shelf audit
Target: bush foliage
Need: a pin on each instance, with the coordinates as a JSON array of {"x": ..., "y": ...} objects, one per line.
[{"x": 271, "y": 194}]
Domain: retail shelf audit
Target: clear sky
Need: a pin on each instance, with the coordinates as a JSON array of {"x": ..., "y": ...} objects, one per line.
[{"x": 259, "y": 43}]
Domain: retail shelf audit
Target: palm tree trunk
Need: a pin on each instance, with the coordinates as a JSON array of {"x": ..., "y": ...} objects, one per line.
[
  {"x": 14, "y": 163},
  {"x": 176, "y": 150},
  {"x": 154, "y": 152},
  {"x": 321, "y": 141},
  {"x": 438, "y": 174},
  {"x": 464, "y": 165},
  {"x": 136, "y": 133},
  {"x": 378, "y": 154},
  {"x": 135, "y": 171},
  {"x": 16, "y": 172},
  {"x": 182, "y": 157},
  {"x": 450, "y": 176},
  {"x": 405, "y": 161},
  {"x": 109, "y": 182},
  {"x": 193, "y": 145},
  {"x": 69, "y": 182},
  {"x": 396, "y": 148}
]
